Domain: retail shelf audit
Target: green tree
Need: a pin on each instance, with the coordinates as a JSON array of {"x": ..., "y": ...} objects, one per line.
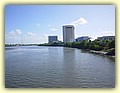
[
  {"x": 75, "y": 44},
  {"x": 111, "y": 44}
]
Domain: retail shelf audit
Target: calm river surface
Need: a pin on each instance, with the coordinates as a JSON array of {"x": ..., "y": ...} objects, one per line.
[{"x": 54, "y": 67}]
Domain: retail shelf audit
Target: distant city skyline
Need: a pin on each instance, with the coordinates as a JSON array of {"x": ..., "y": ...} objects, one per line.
[{"x": 34, "y": 23}]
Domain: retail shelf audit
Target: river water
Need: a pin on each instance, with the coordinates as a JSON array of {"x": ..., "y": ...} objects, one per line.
[{"x": 57, "y": 67}]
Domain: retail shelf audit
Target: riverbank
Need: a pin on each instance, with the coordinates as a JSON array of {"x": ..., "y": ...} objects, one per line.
[
  {"x": 91, "y": 51},
  {"x": 101, "y": 53},
  {"x": 102, "y": 47},
  {"x": 98, "y": 52}
]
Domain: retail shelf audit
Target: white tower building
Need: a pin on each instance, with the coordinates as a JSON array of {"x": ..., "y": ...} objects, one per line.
[{"x": 68, "y": 33}]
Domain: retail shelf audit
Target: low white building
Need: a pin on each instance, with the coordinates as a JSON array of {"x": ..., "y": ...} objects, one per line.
[
  {"x": 82, "y": 38},
  {"x": 106, "y": 38},
  {"x": 73, "y": 40}
]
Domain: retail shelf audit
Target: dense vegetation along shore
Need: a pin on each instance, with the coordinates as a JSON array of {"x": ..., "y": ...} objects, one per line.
[
  {"x": 107, "y": 47},
  {"x": 104, "y": 47}
]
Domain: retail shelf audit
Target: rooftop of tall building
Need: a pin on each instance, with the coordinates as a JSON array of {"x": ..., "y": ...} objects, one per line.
[{"x": 68, "y": 26}]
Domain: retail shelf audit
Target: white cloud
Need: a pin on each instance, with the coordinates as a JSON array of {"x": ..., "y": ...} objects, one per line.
[
  {"x": 107, "y": 33},
  {"x": 13, "y": 36},
  {"x": 12, "y": 33},
  {"x": 35, "y": 39},
  {"x": 29, "y": 37},
  {"x": 45, "y": 35},
  {"x": 16, "y": 32},
  {"x": 31, "y": 34},
  {"x": 53, "y": 29},
  {"x": 80, "y": 21},
  {"x": 60, "y": 38}
]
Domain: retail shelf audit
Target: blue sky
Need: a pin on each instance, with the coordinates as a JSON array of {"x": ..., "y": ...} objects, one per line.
[{"x": 34, "y": 23}]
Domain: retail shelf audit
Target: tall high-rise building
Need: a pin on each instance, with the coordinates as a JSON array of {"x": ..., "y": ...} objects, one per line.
[
  {"x": 68, "y": 33},
  {"x": 52, "y": 39}
]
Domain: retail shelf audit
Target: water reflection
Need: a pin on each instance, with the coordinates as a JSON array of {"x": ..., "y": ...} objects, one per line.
[{"x": 69, "y": 66}]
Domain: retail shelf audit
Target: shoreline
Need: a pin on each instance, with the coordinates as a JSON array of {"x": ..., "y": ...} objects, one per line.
[
  {"x": 101, "y": 53},
  {"x": 91, "y": 51}
]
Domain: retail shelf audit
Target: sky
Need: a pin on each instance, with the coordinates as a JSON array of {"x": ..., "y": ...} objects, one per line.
[{"x": 32, "y": 24}]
